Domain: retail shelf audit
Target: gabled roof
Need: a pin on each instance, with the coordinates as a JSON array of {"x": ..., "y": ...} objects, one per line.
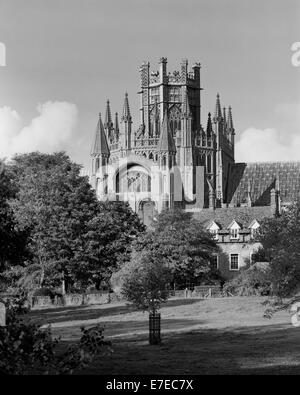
[
  {"x": 253, "y": 223},
  {"x": 211, "y": 223},
  {"x": 233, "y": 223}
]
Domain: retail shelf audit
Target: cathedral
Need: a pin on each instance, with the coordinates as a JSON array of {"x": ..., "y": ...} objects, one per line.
[{"x": 171, "y": 160}]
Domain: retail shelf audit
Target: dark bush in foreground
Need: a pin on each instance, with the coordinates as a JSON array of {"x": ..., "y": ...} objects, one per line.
[{"x": 25, "y": 348}]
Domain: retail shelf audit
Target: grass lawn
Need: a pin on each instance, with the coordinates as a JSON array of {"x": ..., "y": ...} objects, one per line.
[{"x": 211, "y": 336}]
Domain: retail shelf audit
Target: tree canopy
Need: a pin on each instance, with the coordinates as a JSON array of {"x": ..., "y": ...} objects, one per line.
[
  {"x": 12, "y": 242},
  {"x": 180, "y": 241},
  {"x": 280, "y": 238},
  {"x": 144, "y": 280},
  {"x": 70, "y": 234}
]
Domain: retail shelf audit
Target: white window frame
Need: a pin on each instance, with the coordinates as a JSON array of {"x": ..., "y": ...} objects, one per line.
[
  {"x": 214, "y": 230},
  {"x": 234, "y": 234},
  {"x": 215, "y": 234},
  {"x": 238, "y": 263}
]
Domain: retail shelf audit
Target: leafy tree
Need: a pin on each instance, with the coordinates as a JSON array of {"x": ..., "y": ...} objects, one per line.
[
  {"x": 12, "y": 242},
  {"x": 71, "y": 236},
  {"x": 53, "y": 205},
  {"x": 180, "y": 240},
  {"x": 144, "y": 280},
  {"x": 280, "y": 238},
  {"x": 108, "y": 241}
]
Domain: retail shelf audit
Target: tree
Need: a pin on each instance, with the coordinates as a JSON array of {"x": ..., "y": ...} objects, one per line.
[
  {"x": 187, "y": 248},
  {"x": 12, "y": 242},
  {"x": 280, "y": 238},
  {"x": 72, "y": 238},
  {"x": 144, "y": 280},
  {"x": 53, "y": 205},
  {"x": 108, "y": 240}
]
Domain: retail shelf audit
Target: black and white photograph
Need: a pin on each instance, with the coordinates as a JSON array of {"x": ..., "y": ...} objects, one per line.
[{"x": 149, "y": 190}]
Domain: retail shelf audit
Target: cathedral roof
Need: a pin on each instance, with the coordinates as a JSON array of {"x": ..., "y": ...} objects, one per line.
[
  {"x": 100, "y": 146},
  {"x": 259, "y": 179},
  {"x": 166, "y": 142}
]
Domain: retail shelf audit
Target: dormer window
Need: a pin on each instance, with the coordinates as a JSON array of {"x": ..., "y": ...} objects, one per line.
[
  {"x": 215, "y": 234},
  {"x": 213, "y": 229},
  {"x": 234, "y": 229},
  {"x": 234, "y": 233},
  {"x": 254, "y": 226}
]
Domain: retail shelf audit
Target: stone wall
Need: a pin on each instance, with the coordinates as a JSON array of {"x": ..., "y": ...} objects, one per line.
[{"x": 72, "y": 300}]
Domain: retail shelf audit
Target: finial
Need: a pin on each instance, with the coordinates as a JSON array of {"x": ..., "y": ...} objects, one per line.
[
  {"x": 218, "y": 112},
  {"x": 229, "y": 120}
]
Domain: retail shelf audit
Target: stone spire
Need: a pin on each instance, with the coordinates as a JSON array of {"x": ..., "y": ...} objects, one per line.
[
  {"x": 229, "y": 120},
  {"x": 108, "y": 120},
  {"x": 224, "y": 121},
  {"x": 166, "y": 142},
  {"x": 117, "y": 130},
  {"x": 186, "y": 107},
  {"x": 126, "y": 110},
  {"x": 218, "y": 111},
  {"x": 100, "y": 146},
  {"x": 209, "y": 128}
]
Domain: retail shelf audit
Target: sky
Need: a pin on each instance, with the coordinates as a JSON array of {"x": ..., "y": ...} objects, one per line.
[{"x": 65, "y": 58}]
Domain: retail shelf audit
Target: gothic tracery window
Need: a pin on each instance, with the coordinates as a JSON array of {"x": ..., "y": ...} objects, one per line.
[
  {"x": 136, "y": 181},
  {"x": 175, "y": 119}
]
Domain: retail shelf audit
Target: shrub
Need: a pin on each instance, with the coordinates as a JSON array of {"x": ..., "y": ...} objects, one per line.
[
  {"x": 25, "y": 348},
  {"x": 44, "y": 292},
  {"x": 250, "y": 282}
]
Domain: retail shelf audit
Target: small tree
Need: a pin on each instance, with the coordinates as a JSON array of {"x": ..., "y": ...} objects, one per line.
[{"x": 144, "y": 281}]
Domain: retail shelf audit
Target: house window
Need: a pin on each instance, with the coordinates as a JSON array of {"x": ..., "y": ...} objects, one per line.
[
  {"x": 234, "y": 233},
  {"x": 214, "y": 233},
  {"x": 234, "y": 262},
  {"x": 215, "y": 261},
  {"x": 254, "y": 233}
]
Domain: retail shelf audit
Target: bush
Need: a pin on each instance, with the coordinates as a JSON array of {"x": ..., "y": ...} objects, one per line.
[
  {"x": 25, "y": 349},
  {"x": 44, "y": 292},
  {"x": 252, "y": 281}
]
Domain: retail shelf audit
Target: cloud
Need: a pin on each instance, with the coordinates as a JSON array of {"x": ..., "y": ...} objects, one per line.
[
  {"x": 266, "y": 145},
  {"x": 273, "y": 144},
  {"x": 50, "y": 131}
]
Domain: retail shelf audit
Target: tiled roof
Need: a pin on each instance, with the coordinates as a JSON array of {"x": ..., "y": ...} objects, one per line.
[
  {"x": 260, "y": 178},
  {"x": 224, "y": 216}
]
